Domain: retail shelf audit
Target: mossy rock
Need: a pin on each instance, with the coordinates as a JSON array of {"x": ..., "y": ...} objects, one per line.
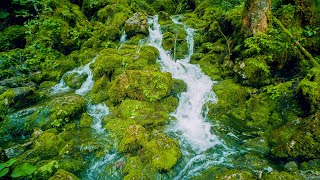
[
  {"x": 86, "y": 120},
  {"x": 162, "y": 151},
  {"x": 178, "y": 87},
  {"x": 149, "y": 53},
  {"x": 136, "y": 169},
  {"x": 63, "y": 174},
  {"x": 141, "y": 85},
  {"x": 66, "y": 108},
  {"x": 296, "y": 140},
  {"x": 281, "y": 176},
  {"x": 136, "y": 24},
  {"x": 75, "y": 80},
  {"x": 107, "y": 64},
  {"x": 309, "y": 91},
  {"x": 12, "y": 37},
  {"x": 47, "y": 145},
  {"x": 235, "y": 175},
  {"x": 134, "y": 137},
  {"x": 219, "y": 172},
  {"x": 147, "y": 114}
]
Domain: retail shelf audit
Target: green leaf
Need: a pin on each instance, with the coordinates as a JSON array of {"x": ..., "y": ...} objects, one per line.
[
  {"x": 25, "y": 169},
  {"x": 4, "y": 172},
  {"x": 8, "y": 163}
]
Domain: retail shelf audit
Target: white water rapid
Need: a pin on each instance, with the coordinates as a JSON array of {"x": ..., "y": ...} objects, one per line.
[
  {"x": 189, "y": 114},
  {"x": 85, "y": 87},
  {"x": 201, "y": 148}
]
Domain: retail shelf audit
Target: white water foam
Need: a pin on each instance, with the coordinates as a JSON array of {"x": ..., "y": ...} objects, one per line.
[
  {"x": 189, "y": 114},
  {"x": 85, "y": 87},
  {"x": 97, "y": 112}
]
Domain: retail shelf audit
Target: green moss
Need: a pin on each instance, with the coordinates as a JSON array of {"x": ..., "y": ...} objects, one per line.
[
  {"x": 146, "y": 113},
  {"x": 162, "y": 151},
  {"x": 309, "y": 90},
  {"x": 134, "y": 137},
  {"x": 86, "y": 120},
  {"x": 47, "y": 145},
  {"x": 178, "y": 87},
  {"x": 75, "y": 80},
  {"x": 296, "y": 140},
  {"x": 66, "y": 108},
  {"x": 12, "y": 37},
  {"x": 217, "y": 172},
  {"x": 62, "y": 174},
  {"x": 135, "y": 169},
  {"x": 117, "y": 126},
  {"x": 141, "y": 85},
  {"x": 281, "y": 175},
  {"x": 149, "y": 53}
]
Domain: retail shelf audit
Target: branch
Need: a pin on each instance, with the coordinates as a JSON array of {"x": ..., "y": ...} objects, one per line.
[
  {"x": 297, "y": 43},
  {"x": 228, "y": 44}
]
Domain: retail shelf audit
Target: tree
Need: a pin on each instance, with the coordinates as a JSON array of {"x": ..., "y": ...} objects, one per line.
[{"x": 256, "y": 16}]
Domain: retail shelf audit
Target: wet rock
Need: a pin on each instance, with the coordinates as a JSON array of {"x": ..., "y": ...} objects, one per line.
[
  {"x": 137, "y": 24},
  {"x": 291, "y": 166},
  {"x": 281, "y": 175},
  {"x": 63, "y": 174},
  {"x": 47, "y": 145},
  {"x": 75, "y": 80},
  {"x": 309, "y": 91},
  {"x": 66, "y": 108},
  {"x": 134, "y": 137},
  {"x": 162, "y": 151},
  {"x": 178, "y": 87},
  {"x": 141, "y": 85}
]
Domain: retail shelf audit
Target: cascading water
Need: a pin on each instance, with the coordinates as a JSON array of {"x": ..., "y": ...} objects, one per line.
[
  {"x": 191, "y": 127},
  {"x": 85, "y": 87}
]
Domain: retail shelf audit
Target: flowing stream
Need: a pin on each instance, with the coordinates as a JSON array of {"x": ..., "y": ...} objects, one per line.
[{"x": 201, "y": 148}]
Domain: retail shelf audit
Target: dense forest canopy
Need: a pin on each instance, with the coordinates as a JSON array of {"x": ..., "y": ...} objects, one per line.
[{"x": 89, "y": 90}]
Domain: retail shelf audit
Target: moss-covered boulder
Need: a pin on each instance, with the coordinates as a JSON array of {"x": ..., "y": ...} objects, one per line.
[
  {"x": 12, "y": 37},
  {"x": 178, "y": 87},
  {"x": 218, "y": 172},
  {"x": 62, "y": 174},
  {"x": 309, "y": 91},
  {"x": 281, "y": 175},
  {"x": 141, "y": 85},
  {"x": 136, "y": 24},
  {"x": 135, "y": 136},
  {"x": 298, "y": 140},
  {"x": 66, "y": 108},
  {"x": 47, "y": 145},
  {"x": 162, "y": 151},
  {"x": 134, "y": 169},
  {"x": 75, "y": 80},
  {"x": 147, "y": 114},
  {"x": 16, "y": 98}
]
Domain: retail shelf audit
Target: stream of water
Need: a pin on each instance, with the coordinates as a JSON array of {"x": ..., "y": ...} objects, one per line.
[{"x": 201, "y": 148}]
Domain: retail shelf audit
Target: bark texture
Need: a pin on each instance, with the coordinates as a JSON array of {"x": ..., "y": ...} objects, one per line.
[{"x": 256, "y": 16}]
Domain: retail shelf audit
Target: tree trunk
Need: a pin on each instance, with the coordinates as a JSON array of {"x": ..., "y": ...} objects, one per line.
[{"x": 256, "y": 16}]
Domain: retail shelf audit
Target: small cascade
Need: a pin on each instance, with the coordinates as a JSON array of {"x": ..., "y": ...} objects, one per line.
[
  {"x": 98, "y": 169},
  {"x": 97, "y": 112},
  {"x": 200, "y": 147},
  {"x": 123, "y": 37},
  {"x": 85, "y": 87}
]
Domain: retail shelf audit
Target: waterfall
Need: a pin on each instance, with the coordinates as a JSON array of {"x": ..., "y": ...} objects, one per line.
[{"x": 201, "y": 148}]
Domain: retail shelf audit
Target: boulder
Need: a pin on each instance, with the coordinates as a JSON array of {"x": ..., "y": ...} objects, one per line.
[{"x": 137, "y": 24}]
